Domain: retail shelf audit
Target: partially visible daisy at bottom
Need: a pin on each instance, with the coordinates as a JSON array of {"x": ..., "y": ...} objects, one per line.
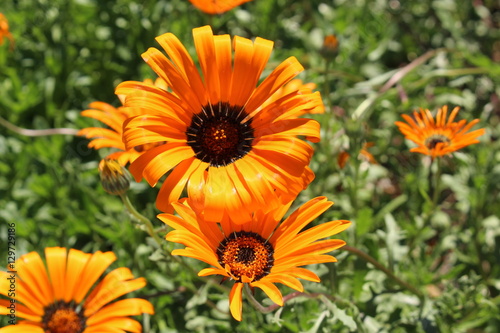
[
  {"x": 261, "y": 252},
  {"x": 58, "y": 297},
  {"x": 441, "y": 136}
]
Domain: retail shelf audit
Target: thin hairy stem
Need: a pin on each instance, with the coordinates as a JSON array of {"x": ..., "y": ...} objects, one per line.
[{"x": 42, "y": 132}]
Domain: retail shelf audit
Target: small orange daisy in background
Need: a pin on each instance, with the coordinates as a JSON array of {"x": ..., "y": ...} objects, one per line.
[
  {"x": 441, "y": 136},
  {"x": 229, "y": 141},
  {"x": 55, "y": 298},
  {"x": 112, "y": 137},
  {"x": 344, "y": 156},
  {"x": 4, "y": 31},
  {"x": 216, "y": 6},
  {"x": 261, "y": 252}
]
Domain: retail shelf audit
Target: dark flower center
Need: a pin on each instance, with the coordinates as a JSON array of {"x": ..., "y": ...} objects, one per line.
[
  {"x": 218, "y": 134},
  {"x": 246, "y": 254},
  {"x": 432, "y": 141},
  {"x": 62, "y": 317}
]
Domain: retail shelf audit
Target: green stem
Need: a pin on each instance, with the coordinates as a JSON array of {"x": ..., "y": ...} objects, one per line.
[
  {"x": 381, "y": 267},
  {"x": 326, "y": 97},
  {"x": 436, "y": 183},
  {"x": 327, "y": 82},
  {"x": 267, "y": 309},
  {"x": 259, "y": 307},
  {"x": 144, "y": 220},
  {"x": 40, "y": 132}
]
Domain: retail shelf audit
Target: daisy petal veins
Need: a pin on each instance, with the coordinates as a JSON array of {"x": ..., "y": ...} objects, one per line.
[
  {"x": 63, "y": 295},
  {"x": 440, "y": 136},
  {"x": 260, "y": 252},
  {"x": 229, "y": 141},
  {"x": 216, "y": 6},
  {"x": 111, "y": 137}
]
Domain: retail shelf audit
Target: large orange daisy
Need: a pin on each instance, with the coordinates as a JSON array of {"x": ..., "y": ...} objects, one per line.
[
  {"x": 56, "y": 298},
  {"x": 216, "y": 6},
  {"x": 441, "y": 136},
  {"x": 227, "y": 140},
  {"x": 112, "y": 137},
  {"x": 260, "y": 252}
]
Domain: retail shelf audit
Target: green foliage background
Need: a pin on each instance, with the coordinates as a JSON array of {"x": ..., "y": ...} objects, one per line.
[{"x": 69, "y": 53}]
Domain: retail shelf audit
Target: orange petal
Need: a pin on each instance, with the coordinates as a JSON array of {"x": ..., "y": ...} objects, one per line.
[
  {"x": 122, "y": 308},
  {"x": 270, "y": 289},
  {"x": 236, "y": 301},
  {"x": 94, "y": 269}
]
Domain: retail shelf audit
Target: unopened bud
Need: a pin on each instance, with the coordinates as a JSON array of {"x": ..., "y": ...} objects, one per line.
[
  {"x": 330, "y": 47},
  {"x": 115, "y": 179}
]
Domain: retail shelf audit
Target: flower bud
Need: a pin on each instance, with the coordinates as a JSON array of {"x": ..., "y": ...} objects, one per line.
[
  {"x": 330, "y": 47},
  {"x": 115, "y": 179}
]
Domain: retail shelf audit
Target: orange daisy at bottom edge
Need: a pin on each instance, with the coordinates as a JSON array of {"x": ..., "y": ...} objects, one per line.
[
  {"x": 58, "y": 297},
  {"x": 260, "y": 252}
]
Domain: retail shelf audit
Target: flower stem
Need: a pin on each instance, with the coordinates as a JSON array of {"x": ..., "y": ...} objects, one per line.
[
  {"x": 436, "y": 182},
  {"x": 267, "y": 309},
  {"x": 144, "y": 220},
  {"x": 40, "y": 132},
  {"x": 259, "y": 307},
  {"x": 381, "y": 267}
]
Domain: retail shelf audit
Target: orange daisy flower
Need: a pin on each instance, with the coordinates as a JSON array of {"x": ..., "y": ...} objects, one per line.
[
  {"x": 225, "y": 138},
  {"x": 4, "y": 31},
  {"x": 216, "y": 6},
  {"x": 55, "y": 298},
  {"x": 112, "y": 137},
  {"x": 441, "y": 136},
  {"x": 260, "y": 252}
]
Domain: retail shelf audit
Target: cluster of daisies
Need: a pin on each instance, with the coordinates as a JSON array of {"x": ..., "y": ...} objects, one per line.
[
  {"x": 231, "y": 153},
  {"x": 235, "y": 156}
]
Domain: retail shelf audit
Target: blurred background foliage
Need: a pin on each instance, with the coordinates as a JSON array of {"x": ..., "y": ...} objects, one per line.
[{"x": 69, "y": 53}]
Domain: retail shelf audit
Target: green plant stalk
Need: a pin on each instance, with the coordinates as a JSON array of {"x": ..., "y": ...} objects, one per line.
[
  {"x": 436, "y": 182},
  {"x": 40, "y": 132},
  {"x": 382, "y": 268},
  {"x": 267, "y": 309},
  {"x": 144, "y": 220},
  {"x": 326, "y": 97}
]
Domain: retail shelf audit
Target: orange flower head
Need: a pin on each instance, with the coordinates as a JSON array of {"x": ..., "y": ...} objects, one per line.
[
  {"x": 111, "y": 137},
  {"x": 260, "y": 252},
  {"x": 229, "y": 142},
  {"x": 4, "y": 31},
  {"x": 58, "y": 297},
  {"x": 216, "y": 6},
  {"x": 441, "y": 136}
]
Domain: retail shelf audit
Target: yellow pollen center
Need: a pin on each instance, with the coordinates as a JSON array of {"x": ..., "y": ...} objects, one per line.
[
  {"x": 221, "y": 138},
  {"x": 247, "y": 255},
  {"x": 64, "y": 320}
]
